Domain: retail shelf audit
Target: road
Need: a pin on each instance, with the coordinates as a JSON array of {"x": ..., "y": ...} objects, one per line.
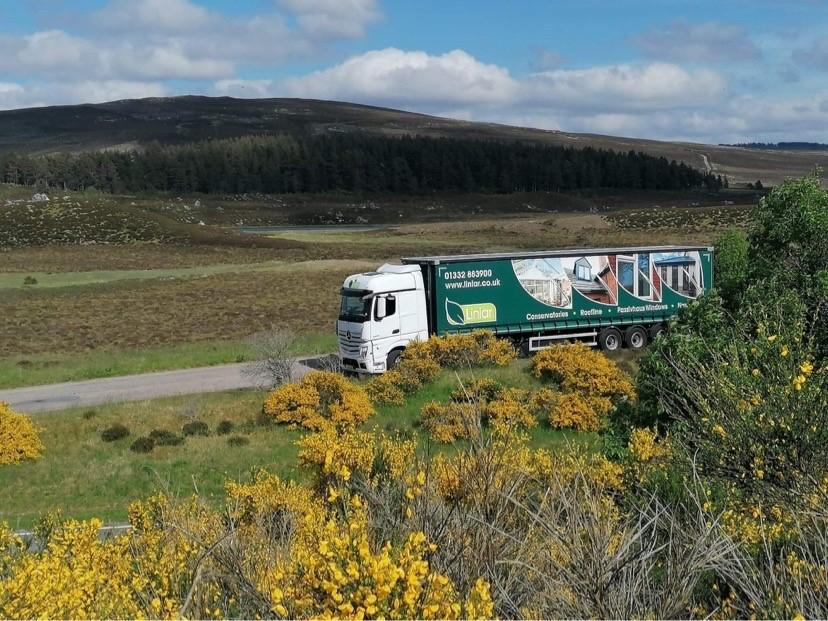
[
  {"x": 707, "y": 165},
  {"x": 94, "y": 392}
]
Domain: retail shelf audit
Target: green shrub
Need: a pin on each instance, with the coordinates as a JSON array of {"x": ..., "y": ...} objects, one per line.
[
  {"x": 30, "y": 280},
  {"x": 731, "y": 265},
  {"x": 143, "y": 444},
  {"x": 237, "y": 441},
  {"x": 196, "y": 428},
  {"x": 89, "y": 414},
  {"x": 224, "y": 427},
  {"x": 115, "y": 432},
  {"x": 163, "y": 437}
]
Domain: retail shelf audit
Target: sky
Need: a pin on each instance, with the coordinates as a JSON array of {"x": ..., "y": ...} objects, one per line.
[{"x": 706, "y": 71}]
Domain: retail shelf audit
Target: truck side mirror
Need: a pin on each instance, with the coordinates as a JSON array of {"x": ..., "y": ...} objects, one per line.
[{"x": 381, "y": 309}]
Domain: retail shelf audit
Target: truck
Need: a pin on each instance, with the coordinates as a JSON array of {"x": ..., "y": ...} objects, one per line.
[{"x": 607, "y": 297}]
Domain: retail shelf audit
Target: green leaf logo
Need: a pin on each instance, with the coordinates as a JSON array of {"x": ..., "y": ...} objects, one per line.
[
  {"x": 455, "y": 314},
  {"x": 465, "y": 314}
]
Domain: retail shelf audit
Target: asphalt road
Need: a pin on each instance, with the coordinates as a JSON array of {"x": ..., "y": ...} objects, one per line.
[{"x": 90, "y": 393}]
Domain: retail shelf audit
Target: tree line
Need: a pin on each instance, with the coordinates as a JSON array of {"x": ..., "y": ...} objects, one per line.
[
  {"x": 781, "y": 146},
  {"x": 353, "y": 162}
]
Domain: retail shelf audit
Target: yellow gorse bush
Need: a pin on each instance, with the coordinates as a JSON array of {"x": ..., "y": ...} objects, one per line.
[
  {"x": 478, "y": 348},
  {"x": 385, "y": 389},
  {"x": 575, "y": 367},
  {"x": 461, "y": 476},
  {"x": 281, "y": 503},
  {"x": 589, "y": 384},
  {"x": 19, "y": 438},
  {"x": 415, "y": 368},
  {"x": 568, "y": 410},
  {"x": 447, "y": 422},
  {"x": 78, "y": 575},
  {"x": 481, "y": 402},
  {"x": 320, "y": 399},
  {"x": 644, "y": 445},
  {"x": 336, "y": 457},
  {"x": 422, "y": 360},
  {"x": 336, "y": 572}
]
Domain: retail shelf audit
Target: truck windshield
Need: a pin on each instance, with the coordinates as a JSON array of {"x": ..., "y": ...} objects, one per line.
[{"x": 354, "y": 307}]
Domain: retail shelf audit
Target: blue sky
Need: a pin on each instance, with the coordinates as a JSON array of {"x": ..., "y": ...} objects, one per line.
[{"x": 724, "y": 71}]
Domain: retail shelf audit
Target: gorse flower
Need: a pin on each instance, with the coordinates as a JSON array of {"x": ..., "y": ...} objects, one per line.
[
  {"x": 319, "y": 400},
  {"x": 19, "y": 438}
]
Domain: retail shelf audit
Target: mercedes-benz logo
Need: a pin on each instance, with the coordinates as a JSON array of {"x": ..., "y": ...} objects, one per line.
[{"x": 348, "y": 335}]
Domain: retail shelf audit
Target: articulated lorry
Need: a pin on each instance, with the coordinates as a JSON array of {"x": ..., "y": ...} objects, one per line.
[{"x": 609, "y": 297}]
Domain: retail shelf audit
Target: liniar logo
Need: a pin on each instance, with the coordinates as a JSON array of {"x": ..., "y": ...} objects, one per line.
[{"x": 466, "y": 314}]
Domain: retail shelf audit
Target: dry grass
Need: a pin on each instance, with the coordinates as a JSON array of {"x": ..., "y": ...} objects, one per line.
[
  {"x": 153, "y": 313},
  {"x": 138, "y": 256},
  {"x": 103, "y": 220},
  {"x": 684, "y": 219}
]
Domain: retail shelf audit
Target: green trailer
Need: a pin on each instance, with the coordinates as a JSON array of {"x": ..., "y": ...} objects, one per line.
[{"x": 611, "y": 297}]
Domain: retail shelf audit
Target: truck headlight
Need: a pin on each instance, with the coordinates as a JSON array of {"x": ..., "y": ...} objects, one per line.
[{"x": 363, "y": 351}]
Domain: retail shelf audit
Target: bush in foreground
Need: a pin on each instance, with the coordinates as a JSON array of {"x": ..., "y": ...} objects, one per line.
[
  {"x": 196, "y": 428},
  {"x": 164, "y": 437},
  {"x": 320, "y": 399},
  {"x": 224, "y": 427},
  {"x": 475, "y": 349},
  {"x": 19, "y": 437},
  {"x": 115, "y": 432},
  {"x": 482, "y": 402},
  {"x": 143, "y": 444}
]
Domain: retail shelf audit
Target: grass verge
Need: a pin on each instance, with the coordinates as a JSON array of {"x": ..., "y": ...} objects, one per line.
[
  {"x": 32, "y": 370},
  {"x": 85, "y": 476}
]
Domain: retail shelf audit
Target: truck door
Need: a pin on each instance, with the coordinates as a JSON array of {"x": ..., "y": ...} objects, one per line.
[
  {"x": 410, "y": 312},
  {"x": 388, "y": 325}
]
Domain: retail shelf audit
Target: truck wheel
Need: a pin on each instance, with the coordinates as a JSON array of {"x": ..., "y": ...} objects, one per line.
[
  {"x": 609, "y": 339},
  {"x": 636, "y": 337},
  {"x": 393, "y": 359},
  {"x": 657, "y": 330}
]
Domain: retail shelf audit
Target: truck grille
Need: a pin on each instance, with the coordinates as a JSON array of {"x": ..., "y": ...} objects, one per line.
[{"x": 348, "y": 348}]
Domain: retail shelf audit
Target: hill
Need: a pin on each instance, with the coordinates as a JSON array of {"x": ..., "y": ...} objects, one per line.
[
  {"x": 73, "y": 219},
  {"x": 133, "y": 124}
]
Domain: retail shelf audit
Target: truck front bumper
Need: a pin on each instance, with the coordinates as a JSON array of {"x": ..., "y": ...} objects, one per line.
[{"x": 361, "y": 365}]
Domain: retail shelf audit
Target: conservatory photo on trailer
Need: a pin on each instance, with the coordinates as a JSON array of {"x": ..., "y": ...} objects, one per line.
[{"x": 555, "y": 281}]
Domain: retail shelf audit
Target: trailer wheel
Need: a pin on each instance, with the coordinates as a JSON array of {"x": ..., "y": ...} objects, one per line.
[
  {"x": 393, "y": 359},
  {"x": 609, "y": 339},
  {"x": 523, "y": 349},
  {"x": 636, "y": 337},
  {"x": 657, "y": 330}
]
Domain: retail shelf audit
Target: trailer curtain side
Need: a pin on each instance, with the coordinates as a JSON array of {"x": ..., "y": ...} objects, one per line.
[{"x": 542, "y": 292}]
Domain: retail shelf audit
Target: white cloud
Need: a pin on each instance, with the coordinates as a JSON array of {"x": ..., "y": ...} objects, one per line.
[
  {"x": 624, "y": 87},
  {"x": 11, "y": 95},
  {"x": 143, "y": 40},
  {"x": 50, "y": 50},
  {"x": 710, "y": 41},
  {"x": 158, "y": 15},
  {"x": 394, "y": 77},
  {"x": 651, "y": 100},
  {"x": 244, "y": 88},
  {"x": 333, "y": 18},
  {"x": 35, "y": 94}
]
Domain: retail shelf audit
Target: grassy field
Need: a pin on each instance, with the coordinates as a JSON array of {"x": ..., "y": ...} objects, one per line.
[{"x": 86, "y": 476}]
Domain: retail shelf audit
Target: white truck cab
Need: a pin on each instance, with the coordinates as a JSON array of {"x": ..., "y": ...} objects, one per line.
[{"x": 380, "y": 313}]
